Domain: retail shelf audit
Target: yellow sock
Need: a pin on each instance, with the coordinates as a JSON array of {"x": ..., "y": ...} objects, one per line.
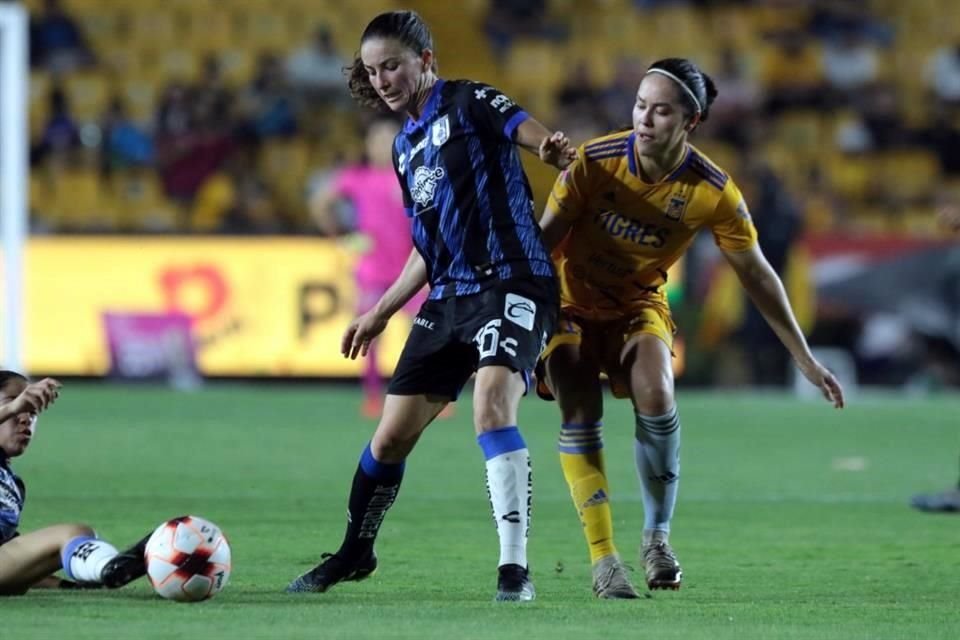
[{"x": 581, "y": 458}]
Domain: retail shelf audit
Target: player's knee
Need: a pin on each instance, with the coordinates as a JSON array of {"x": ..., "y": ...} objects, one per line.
[
  {"x": 653, "y": 400},
  {"x": 391, "y": 447},
  {"x": 77, "y": 530},
  {"x": 493, "y": 411}
]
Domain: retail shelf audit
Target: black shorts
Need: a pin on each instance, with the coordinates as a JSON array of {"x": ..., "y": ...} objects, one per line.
[{"x": 506, "y": 325}]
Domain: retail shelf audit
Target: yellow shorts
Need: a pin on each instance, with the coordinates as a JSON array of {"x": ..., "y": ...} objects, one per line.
[{"x": 604, "y": 339}]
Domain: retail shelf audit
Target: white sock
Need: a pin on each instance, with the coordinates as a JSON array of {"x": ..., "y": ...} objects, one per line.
[
  {"x": 657, "y": 455},
  {"x": 509, "y": 485},
  {"x": 84, "y": 558}
]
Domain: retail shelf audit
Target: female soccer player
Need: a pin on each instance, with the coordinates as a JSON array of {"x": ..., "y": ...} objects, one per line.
[
  {"x": 493, "y": 296},
  {"x": 29, "y": 560},
  {"x": 625, "y": 210},
  {"x": 371, "y": 187}
]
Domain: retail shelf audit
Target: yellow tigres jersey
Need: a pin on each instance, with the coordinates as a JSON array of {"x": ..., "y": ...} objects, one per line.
[{"x": 627, "y": 233}]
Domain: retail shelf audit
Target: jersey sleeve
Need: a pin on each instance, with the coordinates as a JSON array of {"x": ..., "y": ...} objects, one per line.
[
  {"x": 732, "y": 225},
  {"x": 400, "y": 168},
  {"x": 491, "y": 111},
  {"x": 572, "y": 189}
]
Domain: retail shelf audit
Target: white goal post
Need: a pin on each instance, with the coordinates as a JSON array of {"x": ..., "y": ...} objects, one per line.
[{"x": 14, "y": 75}]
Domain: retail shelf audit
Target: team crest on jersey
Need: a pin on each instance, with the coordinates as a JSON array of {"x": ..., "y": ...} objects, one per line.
[
  {"x": 425, "y": 182},
  {"x": 676, "y": 208},
  {"x": 440, "y": 132}
]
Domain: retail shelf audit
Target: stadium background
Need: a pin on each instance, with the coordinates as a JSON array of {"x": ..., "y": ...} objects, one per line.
[{"x": 162, "y": 131}]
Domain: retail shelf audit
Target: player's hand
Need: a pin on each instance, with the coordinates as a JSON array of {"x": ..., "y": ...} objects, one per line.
[
  {"x": 821, "y": 378},
  {"x": 36, "y": 397},
  {"x": 361, "y": 332},
  {"x": 949, "y": 216},
  {"x": 555, "y": 149}
]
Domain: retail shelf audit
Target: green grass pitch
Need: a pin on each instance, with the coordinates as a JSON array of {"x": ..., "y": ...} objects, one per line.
[{"x": 792, "y": 522}]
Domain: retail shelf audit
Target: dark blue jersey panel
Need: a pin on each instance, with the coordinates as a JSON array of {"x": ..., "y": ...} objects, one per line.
[{"x": 464, "y": 186}]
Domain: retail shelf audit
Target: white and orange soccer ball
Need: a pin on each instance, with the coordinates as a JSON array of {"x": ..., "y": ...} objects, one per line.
[{"x": 188, "y": 559}]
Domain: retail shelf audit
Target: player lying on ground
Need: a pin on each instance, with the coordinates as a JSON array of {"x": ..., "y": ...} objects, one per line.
[
  {"x": 29, "y": 560},
  {"x": 619, "y": 217}
]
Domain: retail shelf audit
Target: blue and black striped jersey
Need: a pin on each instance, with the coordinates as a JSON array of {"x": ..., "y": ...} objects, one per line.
[
  {"x": 464, "y": 186},
  {"x": 12, "y": 494}
]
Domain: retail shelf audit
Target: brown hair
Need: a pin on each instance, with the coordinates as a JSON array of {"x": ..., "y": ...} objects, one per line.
[{"x": 407, "y": 27}]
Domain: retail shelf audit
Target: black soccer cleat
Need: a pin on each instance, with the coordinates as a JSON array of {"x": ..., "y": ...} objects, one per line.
[
  {"x": 514, "y": 585},
  {"x": 125, "y": 567},
  {"x": 332, "y": 570}
]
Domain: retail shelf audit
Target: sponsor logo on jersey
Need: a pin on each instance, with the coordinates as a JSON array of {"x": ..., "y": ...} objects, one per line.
[
  {"x": 520, "y": 311},
  {"x": 425, "y": 182}
]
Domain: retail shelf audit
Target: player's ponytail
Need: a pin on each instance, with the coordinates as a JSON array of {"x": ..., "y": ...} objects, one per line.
[
  {"x": 697, "y": 89},
  {"x": 409, "y": 29}
]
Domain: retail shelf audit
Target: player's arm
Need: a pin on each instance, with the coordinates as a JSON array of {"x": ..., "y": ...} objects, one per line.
[
  {"x": 553, "y": 227},
  {"x": 553, "y": 147},
  {"x": 357, "y": 337},
  {"x": 321, "y": 207},
  {"x": 36, "y": 397},
  {"x": 767, "y": 292}
]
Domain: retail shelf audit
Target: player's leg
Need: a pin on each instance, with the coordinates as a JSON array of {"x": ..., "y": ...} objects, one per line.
[
  {"x": 376, "y": 483},
  {"x": 646, "y": 359},
  {"x": 34, "y": 556},
  {"x": 496, "y": 398},
  {"x": 508, "y": 328},
  {"x": 432, "y": 370},
  {"x": 574, "y": 379}
]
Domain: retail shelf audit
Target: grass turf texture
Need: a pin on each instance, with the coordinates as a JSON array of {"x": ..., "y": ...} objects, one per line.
[{"x": 777, "y": 536}]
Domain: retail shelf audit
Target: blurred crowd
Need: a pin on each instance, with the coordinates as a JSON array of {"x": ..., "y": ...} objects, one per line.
[{"x": 816, "y": 90}]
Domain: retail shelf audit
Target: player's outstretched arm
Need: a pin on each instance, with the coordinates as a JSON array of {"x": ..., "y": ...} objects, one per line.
[
  {"x": 553, "y": 228},
  {"x": 37, "y": 397},
  {"x": 553, "y": 148},
  {"x": 765, "y": 289},
  {"x": 356, "y": 339}
]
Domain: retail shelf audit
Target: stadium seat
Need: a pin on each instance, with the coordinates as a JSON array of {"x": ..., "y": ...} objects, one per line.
[
  {"x": 88, "y": 92},
  {"x": 141, "y": 203},
  {"x": 911, "y": 175}
]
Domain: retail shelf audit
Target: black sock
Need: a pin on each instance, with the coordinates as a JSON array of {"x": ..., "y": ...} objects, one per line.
[{"x": 375, "y": 487}]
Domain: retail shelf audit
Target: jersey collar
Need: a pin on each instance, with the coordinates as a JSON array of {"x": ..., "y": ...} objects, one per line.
[
  {"x": 634, "y": 169},
  {"x": 428, "y": 108}
]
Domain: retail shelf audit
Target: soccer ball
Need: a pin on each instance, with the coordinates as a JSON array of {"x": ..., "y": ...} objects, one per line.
[{"x": 188, "y": 559}]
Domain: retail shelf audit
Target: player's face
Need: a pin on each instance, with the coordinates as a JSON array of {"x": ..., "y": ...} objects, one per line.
[
  {"x": 658, "y": 116},
  {"x": 395, "y": 71},
  {"x": 16, "y": 432}
]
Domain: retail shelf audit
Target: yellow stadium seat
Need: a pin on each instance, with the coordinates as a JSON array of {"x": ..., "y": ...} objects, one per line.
[
  {"x": 80, "y": 201},
  {"x": 535, "y": 65},
  {"x": 141, "y": 203},
  {"x": 851, "y": 175},
  {"x": 39, "y": 97},
  {"x": 911, "y": 175},
  {"x": 803, "y": 132},
  {"x": 88, "y": 92},
  {"x": 141, "y": 97},
  {"x": 284, "y": 165}
]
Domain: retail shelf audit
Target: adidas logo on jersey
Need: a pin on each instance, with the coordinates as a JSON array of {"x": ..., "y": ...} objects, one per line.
[{"x": 598, "y": 498}]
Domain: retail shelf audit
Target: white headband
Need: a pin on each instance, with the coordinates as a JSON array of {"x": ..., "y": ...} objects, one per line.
[{"x": 680, "y": 82}]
